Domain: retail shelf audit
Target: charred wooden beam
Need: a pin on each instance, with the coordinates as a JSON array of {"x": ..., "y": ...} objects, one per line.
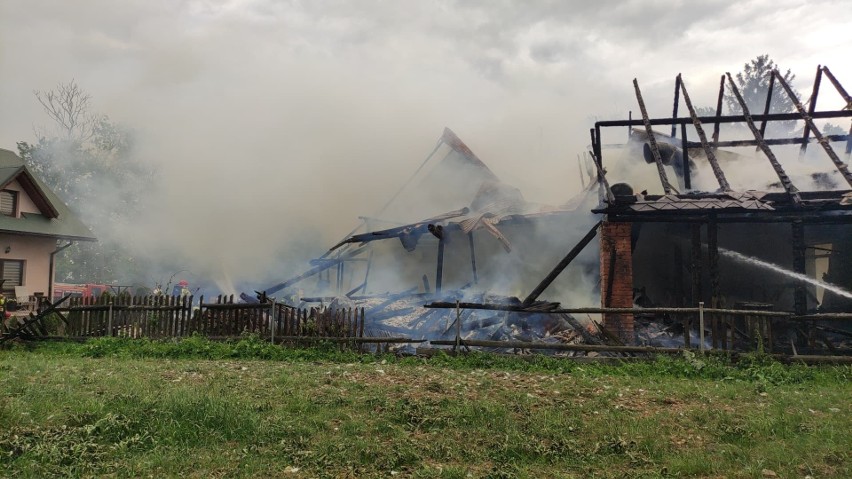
[
  {"x": 557, "y": 270},
  {"x": 674, "y": 108},
  {"x": 439, "y": 274},
  {"x": 652, "y": 141},
  {"x": 594, "y": 141},
  {"x": 708, "y": 150},
  {"x": 755, "y": 218},
  {"x": 768, "y": 141},
  {"x": 520, "y": 309},
  {"x": 838, "y": 163},
  {"x": 318, "y": 299},
  {"x": 355, "y": 290},
  {"x": 596, "y": 145},
  {"x": 717, "y": 123},
  {"x": 472, "y": 257},
  {"x": 436, "y": 230},
  {"x": 400, "y": 231},
  {"x": 800, "y": 297},
  {"x": 782, "y": 175},
  {"x": 317, "y": 269},
  {"x": 768, "y": 104},
  {"x": 821, "y": 115},
  {"x": 24, "y": 328},
  {"x": 811, "y": 108},
  {"x": 696, "y": 263},
  {"x": 409, "y": 293},
  {"x": 846, "y": 97},
  {"x": 610, "y": 197},
  {"x": 824, "y": 317},
  {"x": 555, "y": 346},
  {"x": 713, "y": 256},
  {"x": 687, "y": 173},
  {"x": 835, "y": 331},
  {"x": 369, "y": 267}
]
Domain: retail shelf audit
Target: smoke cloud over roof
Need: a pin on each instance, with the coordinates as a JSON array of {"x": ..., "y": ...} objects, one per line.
[{"x": 272, "y": 125}]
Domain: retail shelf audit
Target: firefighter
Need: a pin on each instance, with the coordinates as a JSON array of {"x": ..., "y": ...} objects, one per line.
[
  {"x": 184, "y": 288},
  {"x": 3, "y": 315}
]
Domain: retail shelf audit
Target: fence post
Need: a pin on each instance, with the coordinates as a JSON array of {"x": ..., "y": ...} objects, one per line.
[
  {"x": 458, "y": 328},
  {"x": 109, "y": 319},
  {"x": 272, "y": 323},
  {"x": 361, "y": 330},
  {"x": 701, "y": 324}
]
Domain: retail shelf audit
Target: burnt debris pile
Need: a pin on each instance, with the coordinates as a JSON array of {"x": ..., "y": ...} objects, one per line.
[
  {"x": 466, "y": 257},
  {"x": 419, "y": 316}
]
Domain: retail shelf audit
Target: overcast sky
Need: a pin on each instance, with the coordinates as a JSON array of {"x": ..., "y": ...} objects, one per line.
[{"x": 323, "y": 107}]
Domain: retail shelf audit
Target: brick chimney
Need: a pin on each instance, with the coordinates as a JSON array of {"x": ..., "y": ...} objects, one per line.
[{"x": 615, "y": 245}]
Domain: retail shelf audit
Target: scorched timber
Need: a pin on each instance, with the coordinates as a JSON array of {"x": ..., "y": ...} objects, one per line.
[
  {"x": 557, "y": 310},
  {"x": 578, "y": 248},
  {"x": 313, "y": 271}
]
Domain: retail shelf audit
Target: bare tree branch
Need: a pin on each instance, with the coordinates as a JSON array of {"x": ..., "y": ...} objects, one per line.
[{"x": 68, "y": 106}]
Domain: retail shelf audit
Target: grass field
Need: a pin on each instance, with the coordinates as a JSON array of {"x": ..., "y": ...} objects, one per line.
[{"x": 200, "y": 409}]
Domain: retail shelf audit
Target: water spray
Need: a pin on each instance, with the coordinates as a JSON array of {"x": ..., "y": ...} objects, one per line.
[{"x": 790, "y": 274}]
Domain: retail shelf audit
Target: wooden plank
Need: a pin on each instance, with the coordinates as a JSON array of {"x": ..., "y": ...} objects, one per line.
[
  {"x": 557, "y": 346},
  {"x": 652, "y": 141},
  {"x": 776, "y": 166},
  {"x": 705, "y": 145}
]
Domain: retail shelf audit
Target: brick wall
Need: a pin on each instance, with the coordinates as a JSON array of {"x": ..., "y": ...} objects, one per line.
[{"x": 616, "y": 237}]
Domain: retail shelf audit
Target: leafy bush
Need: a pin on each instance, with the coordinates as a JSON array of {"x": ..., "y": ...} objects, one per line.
[{"x": 198, "y": 347}]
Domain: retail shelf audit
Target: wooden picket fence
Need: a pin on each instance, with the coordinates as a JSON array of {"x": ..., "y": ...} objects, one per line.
[{"x": 179, "y": 316}]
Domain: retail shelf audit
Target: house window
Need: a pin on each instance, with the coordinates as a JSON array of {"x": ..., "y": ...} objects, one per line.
[
  {"x": 9, "y": 202},
  {"x": 12, "y": 271}
]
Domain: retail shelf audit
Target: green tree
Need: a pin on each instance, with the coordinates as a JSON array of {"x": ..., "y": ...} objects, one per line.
[
  {"x": 832, "y": 129},
  {"x": 88, "y": 160},
  {"x": 753, "y": 83},
  {"x": 705, "y": 111}
]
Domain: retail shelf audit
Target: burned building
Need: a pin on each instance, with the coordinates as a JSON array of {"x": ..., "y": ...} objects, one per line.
[
  {"x": 779, "y": 245},
  {"x": 681, "y": 218},
  {"x": 453, "y": 231}
]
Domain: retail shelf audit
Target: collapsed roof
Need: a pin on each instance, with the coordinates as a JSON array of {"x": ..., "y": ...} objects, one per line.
[
  {"x": 456, "y": 193},
  {"x": 448, "y": 179}
]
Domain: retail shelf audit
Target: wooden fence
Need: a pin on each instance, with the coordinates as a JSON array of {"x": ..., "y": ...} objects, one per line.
[
  {"x": 178, "y": 316},
  {"x": 172, "y": 316}
]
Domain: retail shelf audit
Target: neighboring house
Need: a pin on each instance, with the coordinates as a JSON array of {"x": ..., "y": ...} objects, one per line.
[{"x": 34, "y": 225}]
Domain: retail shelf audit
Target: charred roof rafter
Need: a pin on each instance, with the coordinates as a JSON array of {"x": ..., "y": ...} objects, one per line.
[
  {"x": 709, "y": 146},
  {"x": 809, "y": 125},
  {"x": 788, "y": 185},
  {"x": 655, "y": 150},
  {"x": 711, "y": 157}
]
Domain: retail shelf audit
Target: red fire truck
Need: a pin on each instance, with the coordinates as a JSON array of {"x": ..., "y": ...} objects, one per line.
[{"x": 78, "y": 290}]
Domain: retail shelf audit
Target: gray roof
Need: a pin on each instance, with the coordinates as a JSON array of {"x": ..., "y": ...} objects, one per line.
[{"x": 740, "y": 200}]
